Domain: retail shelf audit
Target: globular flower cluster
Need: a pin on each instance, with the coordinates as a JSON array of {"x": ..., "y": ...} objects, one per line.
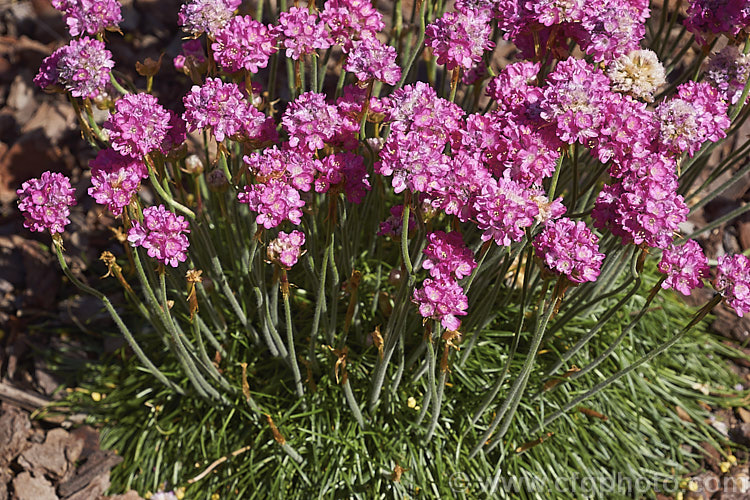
[
  {"x": 447, "y": 257},
  {"x": 569, "y": 249},
  {"x": 115, "y": 179},
  {"x": 163, "y": 234},
  {"x": 604, "y": 29},
  {"x": 638, "y": 73},
  {"x": 514, "y": 88},
  {"x": 442, "y": 300},
  {"x": 244, "y": 43},
  {"x": 695, "y": 115},
  {"x": 733, "y": 282},
  {"x": 45, "y": 202},
  {"x": 351, "y": 20},
  {"x": 81, "y": 67},
  {"x": 286, "y": 248},
  {"x": 503, "y": 210},
  {"x": 222, "y": 107},
  {"x": 459, "y": 39},
  {"x": 644, "y": 210},
  {"x": 311, "y": 121},
  {"x": 89, "y": 16},
  {"x": 275, "y": 201},
  {"x": 728, "y": 71},
  {"x": 685, "y": 266},
  {"x": 206, "y": 16},
  {"x": 301, "y": 32},
  {"x": 347, "y": 172},
  {"x": 708, "y": 18},
  {"x": 576, "y": 101},
  {"x": 370, "y": 59},
  {"x": 139, "y": 125}
]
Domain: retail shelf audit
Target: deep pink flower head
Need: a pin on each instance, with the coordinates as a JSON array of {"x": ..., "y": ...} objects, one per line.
[
  {"x": 139, "y": 125},
  {"x": 503, "y": 210},
  {"x": 45, "y": 202},
  {"x": 346, "y": 172},
  {"x": 295, "y": 167},
  {"x": 286, "y": 249},
  {"x": 442, "y": 300},
  {"x": 351, "y": 20},
  {"x": 393, "y": 225},
  {"x": 311, "y": 121},
  {"x": 244, "y": 43},
  {"x": 515, "y": 86},
  {"x": 707, "y": 18},
  {"x": 570, "y": 249},
  {"x": 614, "y": 28},
  {"x": 371, "y": 59},
  {"x": 81, "y": 67},
  {"x": 575, "y": 100},
  {"x": 465, "y": 177},
  {"x": 89, "y": 16},
  {"x": 163, "y": 235},
  {"x": 302, "y": 32},
  {"x": 447, "y": 257},
  {"x": 641, "y": 210},
  {"x": 198, "y": 16},
  {"x": 695, "y": 115},
  {"x": 275, "y": 201},
  {"x": 685, "y": 266},
  {"x": 628, "y": 133},
  {"x": 223, "y": 107},
  {"x": 459, "y": 39},
  {"x": 415, "y": 162},
  {"x": 728, "y": 71},
  {"x": 733, "y": 282},
  {"x": 115, "y": 179}
]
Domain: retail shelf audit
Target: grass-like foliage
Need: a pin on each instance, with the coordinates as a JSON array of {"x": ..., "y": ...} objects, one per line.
[{"x": 623, "y": 442}]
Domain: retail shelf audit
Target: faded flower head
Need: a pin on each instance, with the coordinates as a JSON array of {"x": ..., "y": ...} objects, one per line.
[
  {"x": 198, "y": 16},
  {"x": 286, "y": 249},
  {"x": 163, "y": 235},
  {"x": 45, "y": 202},
  {"x": 728, "y": 71},
  {"x": 638, "y": 73}
]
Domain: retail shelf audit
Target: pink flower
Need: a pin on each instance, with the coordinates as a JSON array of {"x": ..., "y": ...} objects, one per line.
[
  {"x": 311, "y": 122},
  {"x": 301, "y": 32},
  {"x": 295, "y": 167},
  {"x": 139, "y": 125},
  {"x": 89, "y": 16},
  {"x": 81, "y": 67},
  {"x": 570, "y": 249},
  {"x": 286, "y": 249},
  {"x": 733, "y": 282},
  {"x": 162, "y": 234},
  {"x": 447, "y": 257},
  {"x": 46, "y": 202},
  {"x": 370, "y": 59},
  {"x": 244, "y": 43},
  {"x": 695, "y": 115},
  {"x": 351, "y": 20},
  {"x": 685, "y": 267},
  {"x": 503, "y": 210},
  {"x": 274, "y": 201},
  {"x": 198, "y": 16},
  {"x": 222, "y": 107},
  {"x": 706, "y": 18},
  {"x": 345, "y": 172},
  {"x": 393, "y": 225},
  {"x": 115, "y": 179},
  {"x": 442, "y": 300},
  {"x": 459, "y": 39},
  {"x": 728, "y": 71}
]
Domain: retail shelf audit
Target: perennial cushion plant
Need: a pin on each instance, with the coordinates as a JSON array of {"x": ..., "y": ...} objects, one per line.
[{"x": 536, "y": 191}]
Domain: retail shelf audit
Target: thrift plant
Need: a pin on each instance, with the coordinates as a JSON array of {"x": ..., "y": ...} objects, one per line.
[{"x": 334, "y": 184}]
